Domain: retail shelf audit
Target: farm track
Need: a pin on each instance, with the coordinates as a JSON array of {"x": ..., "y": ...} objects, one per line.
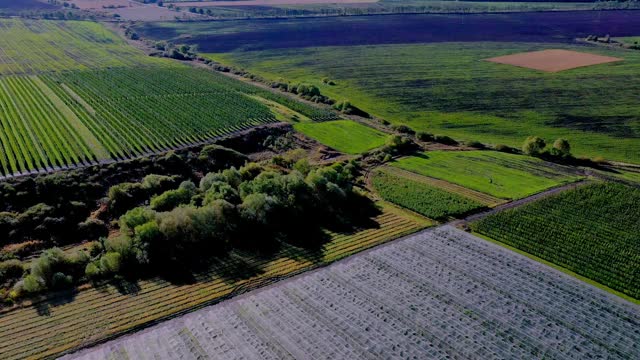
[
  {"x": 520, "y": 202},
  {"x": 482, "y": 198},
  {"x": 154, "y": 300}
]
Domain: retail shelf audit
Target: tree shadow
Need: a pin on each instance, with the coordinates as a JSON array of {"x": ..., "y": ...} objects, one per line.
[{"x": 44, "y": 303}]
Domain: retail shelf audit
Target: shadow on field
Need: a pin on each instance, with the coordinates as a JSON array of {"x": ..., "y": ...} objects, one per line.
[{"x": 44, "y": 305}]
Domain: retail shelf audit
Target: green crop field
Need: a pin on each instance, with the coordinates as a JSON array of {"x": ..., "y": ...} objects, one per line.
[
  {"x": 35, "y": 46},
  {"x": 592, "y": 230},
  {"x": 421, "y": 197},
  {"x": 343, "y": 135},
  {"x": 447, "y": 88},
  {"x": 74, "y": 93},
  {"x": 498, "y": 174}
]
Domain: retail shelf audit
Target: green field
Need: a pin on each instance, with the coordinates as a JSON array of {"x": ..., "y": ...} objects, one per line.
[
  {"x": 421, "y": 197},
  {"x": 592, "y": 231},
  {"x": 446, "y": 88},
  {"x": 502, "y": 175},
  {"x": 35, "y": 46},
  {"x": 345, "y": 136},
  {"x": 74, "y": 93}
]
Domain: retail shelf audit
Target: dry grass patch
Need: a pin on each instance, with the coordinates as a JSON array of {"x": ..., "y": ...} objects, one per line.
[{"x": 553, "y": 60}]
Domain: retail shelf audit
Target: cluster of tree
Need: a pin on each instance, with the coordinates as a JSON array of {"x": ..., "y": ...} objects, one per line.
[
  {"x": 131, "y": 34},
  {"x": 537, "y": 146},
  {"x": 173, "y": 51},
  {"x": 54, "y": 209},
  {"x": 253, "y": 207}
]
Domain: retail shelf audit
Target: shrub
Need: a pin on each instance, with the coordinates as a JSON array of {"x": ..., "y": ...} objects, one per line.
[
  {"x": 173, "y": 198},
  {"x": 156, "y": 184},
  {"x": 443, "y": 139},
  {"x": 533, "y": 145},
  {"x": 125, "y": 196},
  {"x": 214, "y": 157},
  {"x": 92, "y": 229},
  {"x": 135, "y": 217},
  {"x": 424, "y": 136},
  {"x": 10, "y": 270},
  {"x": 504, "y": 148},
  {"x": 476, "y": 144},
  {"x": 403, "y": 129},
  {"x": 561, "y": 147},
  {"x": 110, "y": 263}
]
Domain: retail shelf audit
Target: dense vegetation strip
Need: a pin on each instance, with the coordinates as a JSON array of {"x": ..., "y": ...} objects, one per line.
[
  {"x": 343, "y": 135},
  {"x": 115, "y": 311},
  {"x": 592, "y": 230},
  {"x": 499, "y": 174},
  {"x": 421, "y": 197}
]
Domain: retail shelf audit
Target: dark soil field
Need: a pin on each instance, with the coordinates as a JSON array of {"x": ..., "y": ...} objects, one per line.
[
  {"x": 24, "y": 5},
  {"x": 561, "y": 27}
]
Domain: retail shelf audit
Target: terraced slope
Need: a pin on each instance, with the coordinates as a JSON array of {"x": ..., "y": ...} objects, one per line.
[
  {"x": 442, "y": 293},
  {"x": 67, "y": 321}
]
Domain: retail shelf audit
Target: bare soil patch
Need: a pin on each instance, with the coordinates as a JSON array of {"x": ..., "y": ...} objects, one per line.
[
  {"x": 553, "y": 60},
  {"x": 271, "y": 2}
]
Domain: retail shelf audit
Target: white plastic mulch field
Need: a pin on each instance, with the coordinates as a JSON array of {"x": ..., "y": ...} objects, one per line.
[{"x": 439, "y": 294}]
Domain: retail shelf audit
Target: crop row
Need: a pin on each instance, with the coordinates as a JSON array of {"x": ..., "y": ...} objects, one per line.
[
  {"x": 440, "y": 294},
  {"x": 113, "y": 312},
  {"x": 592, "y": 230},
  {"x": 36, "y": 46},
  {"x": 421, "y": 197},
  {"x": 35, "y": 132},
  {"x": 482, "y": 198}
]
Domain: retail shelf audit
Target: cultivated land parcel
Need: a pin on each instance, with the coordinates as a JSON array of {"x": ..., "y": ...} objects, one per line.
[
  {"x": 75, "y": 93},
  {"x": 439, "y": 294},
  {"x": 443, "y": 85}
]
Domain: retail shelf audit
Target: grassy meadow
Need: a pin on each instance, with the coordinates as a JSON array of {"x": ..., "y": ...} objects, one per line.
[
  {"x": 345, "y": 136},
  {"x": 447, "y": 88},
  {"x": 498, "y": 174}
]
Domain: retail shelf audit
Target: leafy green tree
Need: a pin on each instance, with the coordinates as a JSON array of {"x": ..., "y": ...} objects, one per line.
[
  {"x": 533, "y": 145},
  {"x": 561, "y": 147}
]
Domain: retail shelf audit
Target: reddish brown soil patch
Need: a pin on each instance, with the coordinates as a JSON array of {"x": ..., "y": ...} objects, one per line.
[{"x": 553, "y": 60}]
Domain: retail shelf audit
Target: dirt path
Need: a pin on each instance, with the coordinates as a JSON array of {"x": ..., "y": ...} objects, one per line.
[{"x": 520, "y": 202}]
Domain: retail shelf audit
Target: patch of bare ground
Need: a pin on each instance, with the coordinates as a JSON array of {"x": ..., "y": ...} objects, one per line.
[
  {"x": 553, "y": 60},
  {"x": 134, "y": 11}
]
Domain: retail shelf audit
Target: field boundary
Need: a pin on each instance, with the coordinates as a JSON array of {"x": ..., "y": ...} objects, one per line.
[
  {"x": 559, "y": 268},
  {"x": 246, "y": 127},
  {"x": 482, "y": 198}
]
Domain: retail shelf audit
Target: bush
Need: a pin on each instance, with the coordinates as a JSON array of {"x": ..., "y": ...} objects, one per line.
[
  {"x": 562, "y": 148},
  {"x": 424, "y": 136},
  {"x": 215, "y": 157},
  {"x": 443, "y": 139},
  {"x": 504, "y": 148},
  {"x": 173, "y": 198},
  {"x": 136, "y": 217},
  {"x": 10, "y": 270},
  {"x": 157, "y": 184},
  {"x": 92, "y": 229},
  {"x": 125, "y": 196},
  {"x": 403, "y": 129},
  {"x": 476, "y": 144},
  {"x": 533, "y": 145}
]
